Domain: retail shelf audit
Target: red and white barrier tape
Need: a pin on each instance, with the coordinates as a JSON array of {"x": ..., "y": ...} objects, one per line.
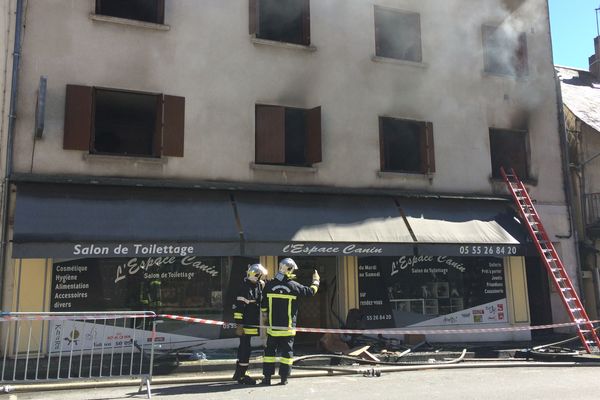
[
  {"x": 73, "y": 317},
  {"x": 393, "y": 331}
]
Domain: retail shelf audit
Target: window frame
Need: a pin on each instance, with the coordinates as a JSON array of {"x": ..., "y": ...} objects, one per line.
[
  {"x": 80, "y": 114},
  {"x": 526, "y": 156},
  {"x": 426, "y": 147},
  {"x": 254, "y": 23},
  {"x": 377, "y": 11},
  {"x": 519, "y": 66},
  {"x": 160, "y": 12},
  {"x": 270, "y": 135}
]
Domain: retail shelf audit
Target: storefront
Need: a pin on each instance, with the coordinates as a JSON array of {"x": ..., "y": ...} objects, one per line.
[{"x": 393, "y": 261}]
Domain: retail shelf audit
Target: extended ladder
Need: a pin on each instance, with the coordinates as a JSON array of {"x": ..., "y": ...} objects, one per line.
[{"x": 555, "y": 267}]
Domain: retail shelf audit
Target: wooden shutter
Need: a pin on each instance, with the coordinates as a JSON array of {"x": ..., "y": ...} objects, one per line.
[
  {"x": 521, "y": 67},
  {"x": 382, "y": 152},
  {"x": 429, "y": 148},
  {"x": 306, "y": 22},
  {"x": 160, "y": 11},
  {"x": 270, "y": 134},
  {"x": 157, "y": 140},
  {"x": 254, "y": 15},
  {"x": 78, "y": 117},
  {"x": 313, "y": 136},
  {"x": 173, "y": 125}
]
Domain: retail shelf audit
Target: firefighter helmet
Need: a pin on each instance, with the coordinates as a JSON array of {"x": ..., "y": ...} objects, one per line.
[
  {"x": 256, "y": 272},
  {"x": 287, "y": 266}
]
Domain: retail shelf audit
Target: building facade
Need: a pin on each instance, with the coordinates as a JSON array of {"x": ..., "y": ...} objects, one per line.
[
  {"x": 162, "y": 146},
  {"x": 581, "y": 103}
]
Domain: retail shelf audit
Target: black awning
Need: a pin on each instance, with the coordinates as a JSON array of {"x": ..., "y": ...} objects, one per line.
[
  {"x": 67, "y": 221},
  {"x": 77, "y": 220},
  {"x": 288, "y": 224}
]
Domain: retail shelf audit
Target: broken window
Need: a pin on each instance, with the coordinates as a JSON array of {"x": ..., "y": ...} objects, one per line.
[
  {"x": 508, "y": 149},
  {"x": 117, "y": 122},
  {"x": 140, "y": 10},
  {"x": 406, "y": 146},
  {"x": 504, "y": 51},
  {"x": 281, "y": 20},
  {"x": 287, "y": 136},
  {"x": 397, "y": 35}
]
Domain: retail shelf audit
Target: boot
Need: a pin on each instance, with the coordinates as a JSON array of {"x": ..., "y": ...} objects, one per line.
[
  {"x": 238, "y": 372},
  {"x": 266, "y": 381},
  {"x": 247, "y": 380},
  {"x": 284, "y": 379}
]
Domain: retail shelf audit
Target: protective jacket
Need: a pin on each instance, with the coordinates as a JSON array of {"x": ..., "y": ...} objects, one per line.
[
  {"x": 280, "y": 301},
  {"x": 246, "y": 309}
]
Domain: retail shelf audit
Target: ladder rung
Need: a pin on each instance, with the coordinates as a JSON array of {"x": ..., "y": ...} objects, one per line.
[{"x": 576, "y": 309}]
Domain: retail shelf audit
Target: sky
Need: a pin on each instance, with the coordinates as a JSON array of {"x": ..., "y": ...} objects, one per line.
[{"x": 573, "y": 25}]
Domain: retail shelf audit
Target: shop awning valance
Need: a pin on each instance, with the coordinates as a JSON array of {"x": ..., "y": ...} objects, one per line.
[{"x": 67, "y": 221}]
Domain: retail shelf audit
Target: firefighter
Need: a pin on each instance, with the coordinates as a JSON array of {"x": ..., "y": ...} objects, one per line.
[
  {"x": 246, "y": 313},
  {"x": 280, "y": 304}
]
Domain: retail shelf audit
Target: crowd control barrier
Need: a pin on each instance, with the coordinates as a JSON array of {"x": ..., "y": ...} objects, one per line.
[{"x": 50, "y": 347}]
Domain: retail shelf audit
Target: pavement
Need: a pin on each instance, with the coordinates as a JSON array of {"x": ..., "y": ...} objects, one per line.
[{"x": 182, "y": 370}]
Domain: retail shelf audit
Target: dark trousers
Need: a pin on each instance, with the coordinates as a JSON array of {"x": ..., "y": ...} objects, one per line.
[
  {"x": 284, "y": 345},
  {"x": 243, "y": 352}
]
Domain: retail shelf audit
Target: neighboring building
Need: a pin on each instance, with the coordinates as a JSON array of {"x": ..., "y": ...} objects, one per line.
[
  {"x": 581, "y": 101},
  {"x": 183, "y": 140}
]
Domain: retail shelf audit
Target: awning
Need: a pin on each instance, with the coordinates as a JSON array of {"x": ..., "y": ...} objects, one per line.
[
  {"x": 292, "y": 224},
  {"x": 80, "y": 221}
]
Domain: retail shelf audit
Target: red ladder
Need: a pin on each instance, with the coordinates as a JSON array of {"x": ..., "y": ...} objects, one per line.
[{"x": 555, "y": 267}]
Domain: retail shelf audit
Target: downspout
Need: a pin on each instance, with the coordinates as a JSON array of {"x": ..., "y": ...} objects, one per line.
[{"x": 12, "y": 117}]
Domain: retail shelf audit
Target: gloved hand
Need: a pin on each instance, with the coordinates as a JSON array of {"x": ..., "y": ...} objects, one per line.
[
  {"x": 316, "y": 278},
  {"x": 239, "y": 330}
]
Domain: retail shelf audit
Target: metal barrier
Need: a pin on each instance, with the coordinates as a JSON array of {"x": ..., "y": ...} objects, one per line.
[{"x": 65, "y": 346}]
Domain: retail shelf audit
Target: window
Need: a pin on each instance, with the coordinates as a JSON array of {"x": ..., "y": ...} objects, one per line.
[
  {"x": 508, "y": 149},
  {"x": 117, "y": 122},
  {"x": 281, "y": 20},
  {"x": 140, "y": 10},
  {"x": 406, "y": 146},
  {"x": 504, "y": 51},
  {"x": 397, "y": 35},
  {"x": 287, "y": 136}
]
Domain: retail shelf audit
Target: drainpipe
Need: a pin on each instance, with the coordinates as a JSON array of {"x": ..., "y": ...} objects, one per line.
[{"x": 12, "y": 116}]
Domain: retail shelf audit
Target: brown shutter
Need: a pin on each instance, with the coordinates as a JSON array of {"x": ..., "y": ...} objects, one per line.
[
  {"x": 382, "y": 152},
  {"x": 78, "y": 117},
  {"x": 160, "y": 11},
  {"x": 173, "y": 125},
  {"x": 313, "y": 136},
  {"x": 98, "y": 6},
  {"x": 306, "y": 22},
  {"x": 157, "y": 140},
  {"x": 521, "y": 67},
  {"x": 429, "y": 148},
  {"x": 270, "y": 135},
  {"x": 254, "y": 15}
]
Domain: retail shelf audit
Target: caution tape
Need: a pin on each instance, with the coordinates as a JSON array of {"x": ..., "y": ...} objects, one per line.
[
  {"x": 392, "y": 331},
  {"x": 5, "y": 317}
]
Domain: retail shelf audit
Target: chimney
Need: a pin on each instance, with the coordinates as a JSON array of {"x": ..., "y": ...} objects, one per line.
[{"x": 595, "y": 59}]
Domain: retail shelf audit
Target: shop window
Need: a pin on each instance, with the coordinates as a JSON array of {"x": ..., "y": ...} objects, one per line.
[
  {"x": 281, "y": 20},
  {"x": 504, "y": 51},
  {"x": 117, "y": 122},
  {"x": 140, "y": 10},
  {"x": 397, "y": 35},
  {"x": 408, "y": 290},
  {"x": 508, "y": 149},
  {"x": 287, "y": 136},
  {"x": 406, "y": 146}
]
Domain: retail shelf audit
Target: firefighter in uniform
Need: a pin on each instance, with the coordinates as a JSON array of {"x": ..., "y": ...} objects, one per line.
[
  {"x": 279, "y": 302},
  {"x": 246, "y": 313}
]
